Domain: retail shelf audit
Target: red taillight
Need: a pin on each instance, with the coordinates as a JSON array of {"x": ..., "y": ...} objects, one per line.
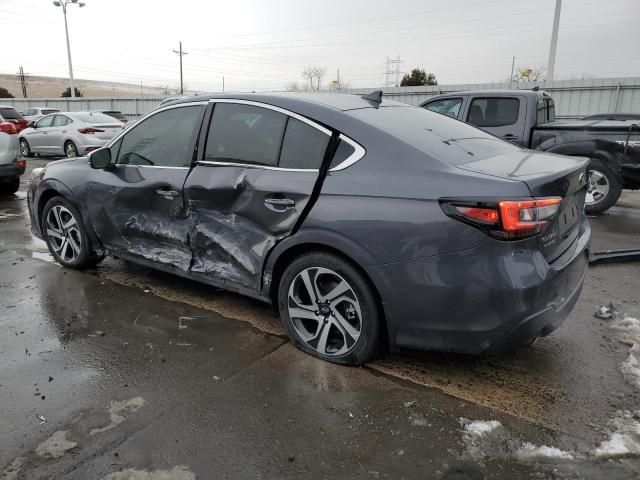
[
  {"x": 8, "y": 128},
  {"x": 528, "y": 215},
  {"x": 508, "y": 219},
  {"x": 21, "y": 163},
  {"x": 487, "y": 216},
  {"x": 90, "y": 130}
]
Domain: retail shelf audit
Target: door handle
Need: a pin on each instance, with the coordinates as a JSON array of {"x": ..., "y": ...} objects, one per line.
[
  {"x": 279, "y": 204},
  {"x": 168, "y": 194},
  {"x": 510, "y": 136}
]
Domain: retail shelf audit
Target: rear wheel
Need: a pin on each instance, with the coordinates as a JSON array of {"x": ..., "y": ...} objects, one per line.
[
  {"x": 329, "y": 309},
  {"x": 70, "y": 149},
  {"x": 66, "y": 236},
  {"x": 603, "y": 189},
  {"x": 25, "y": 150},
  {"x": 10, "y": 187}
]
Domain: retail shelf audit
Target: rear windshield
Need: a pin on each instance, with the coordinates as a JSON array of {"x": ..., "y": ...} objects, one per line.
[
  {"x": 443, "y": 138},
  {"x": 47, "y": 111},
  {"x": 94, "y": 117},
  {"x": 9, "y": 114}
]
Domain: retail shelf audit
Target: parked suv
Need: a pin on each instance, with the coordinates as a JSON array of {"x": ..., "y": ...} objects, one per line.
[
  {"x": 368, "y": 223},
  {"x": 528, "y": 118},
  {"x": 11, "y": 167}
]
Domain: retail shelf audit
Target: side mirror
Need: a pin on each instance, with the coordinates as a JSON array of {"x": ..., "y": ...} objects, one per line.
[
  {"x": 100, "y": 159},
  {"x": 31, "y": 125}
]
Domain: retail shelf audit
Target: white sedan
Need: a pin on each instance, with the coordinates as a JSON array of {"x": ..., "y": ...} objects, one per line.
[{"x": 68, "y": 133}]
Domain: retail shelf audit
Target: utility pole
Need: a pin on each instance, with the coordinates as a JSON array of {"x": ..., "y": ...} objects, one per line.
[
  {"x": 554, "y": 41},
  {"x": 338, "y": 73},
  {"x": 180, "y": 53},
  {"x": 389, "y": 71},
  {"x": 397, "y": 61},
  {"x": 23, "y": 81},
  {"x": 513, "y": 64},
  {"x": 223, "y": 84}
]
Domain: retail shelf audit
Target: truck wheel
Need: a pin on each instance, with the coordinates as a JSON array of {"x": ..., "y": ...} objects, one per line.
[{"x": 604, "y": 187}]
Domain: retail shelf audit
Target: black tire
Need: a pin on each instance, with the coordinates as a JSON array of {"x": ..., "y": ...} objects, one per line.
[
  {"x": 367, "y": 344},
  {"x": 605, "y": 176},
  {"x": 11, "y": 187},
  {"x": 86, "y": 258},
  {"x": 25, "y": 149},
  {"x": 70, "y": 149}
]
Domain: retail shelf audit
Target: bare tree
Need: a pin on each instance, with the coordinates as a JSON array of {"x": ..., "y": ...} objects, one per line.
[
  {"x": 292, "y": 87},
  {"x": 314, "y": 75}
]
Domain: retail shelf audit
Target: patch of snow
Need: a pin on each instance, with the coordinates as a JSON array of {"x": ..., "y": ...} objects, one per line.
[
  {"x": 533, "y": 453},
  {"x": 47, "y": 257},
  {"x": 628, "y": 329},
  {"x": 481, "y": 427},
  {"x": 56, "y": 445},
  {"x": 625, "y": 439},
  {"x": 117, "y": 411},
  {"x": 176, "y": 473}
]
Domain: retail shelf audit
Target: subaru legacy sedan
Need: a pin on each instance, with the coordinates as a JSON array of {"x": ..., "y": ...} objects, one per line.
[
  {"x": 68, "y": 133},
  {"x": 368, "y": 224}
]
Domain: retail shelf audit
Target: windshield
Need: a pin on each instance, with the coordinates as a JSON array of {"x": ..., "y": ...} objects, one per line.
[
  {"x": 94, "y": 117},
  {"x": 441, "y": 137}
]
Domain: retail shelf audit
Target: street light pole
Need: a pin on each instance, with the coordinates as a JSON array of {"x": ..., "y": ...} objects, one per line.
[
  {"x": 63, "y": 4},
  {"x": 551, "y": 65}
]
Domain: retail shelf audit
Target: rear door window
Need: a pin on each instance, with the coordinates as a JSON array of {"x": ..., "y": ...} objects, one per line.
[
  {"x": 446, "y": 106},
  {"x": 248, "y": 134},
  {"x": 303, "y": 146},
  {"x": 162, "y": 140},
  {"x": 493, "y": 112},
  {"x": 60, "y": 121}
]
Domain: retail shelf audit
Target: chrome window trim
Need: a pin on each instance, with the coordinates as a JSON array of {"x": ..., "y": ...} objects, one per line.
[
  {"x": 148, "y": 115},
  {"x": 151, "y": 166},
  {"x": 358, "y": 153}
]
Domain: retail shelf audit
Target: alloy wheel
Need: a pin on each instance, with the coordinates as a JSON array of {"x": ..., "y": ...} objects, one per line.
[
  {"x": 63, "y": 233},
  {"x": 71, "y": 150},
  {"x": 325, "y": 311},
  {"x": 598, "y": 187},
  {"x": 24, "y": 148}
]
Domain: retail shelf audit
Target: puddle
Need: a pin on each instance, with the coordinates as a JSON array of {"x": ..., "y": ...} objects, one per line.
[{"x": 8, "y": 213}]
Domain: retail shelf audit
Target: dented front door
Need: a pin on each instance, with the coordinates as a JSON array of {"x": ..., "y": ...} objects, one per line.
[
  {"x": 137, "y": 206},
  {"x": 254, "y": 178}
]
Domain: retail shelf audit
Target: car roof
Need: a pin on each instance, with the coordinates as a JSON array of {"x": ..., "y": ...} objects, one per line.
[
  {"x": 337, "y": 101},
  {"x": 497, "y": 93},
  {"x": 7, "y": 106}
]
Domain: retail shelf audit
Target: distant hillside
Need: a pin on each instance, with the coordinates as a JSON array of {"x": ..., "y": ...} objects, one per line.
[{"x": 47, "y": 87}]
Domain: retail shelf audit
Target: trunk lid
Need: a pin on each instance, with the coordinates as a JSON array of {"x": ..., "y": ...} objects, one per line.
[
  {"x": 546, "y": 175},
  {"x": 110, "y": 130}
]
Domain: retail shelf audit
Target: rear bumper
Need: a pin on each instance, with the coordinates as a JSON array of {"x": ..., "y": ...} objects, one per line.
[
  {"x": 11, "y": 171},
  {"x": 496, "y": 297}
]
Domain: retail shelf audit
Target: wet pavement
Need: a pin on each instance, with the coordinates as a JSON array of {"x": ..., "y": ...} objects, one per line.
[{"x": 127, "y": 373}]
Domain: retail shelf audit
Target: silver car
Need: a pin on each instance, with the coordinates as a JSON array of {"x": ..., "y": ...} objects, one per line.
[
  {"x": 33, "y": 114},
  {"x": 68, "y": 133}
]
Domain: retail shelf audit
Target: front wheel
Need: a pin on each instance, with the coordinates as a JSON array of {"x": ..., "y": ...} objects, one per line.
[
  {"x": 66, "y": 236},
  {"x": 329, "y": 309},
  {"x": 603, "y": 189}
]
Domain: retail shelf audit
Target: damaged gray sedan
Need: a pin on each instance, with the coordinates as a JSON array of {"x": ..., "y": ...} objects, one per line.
[{"x": 370, "y": 224}]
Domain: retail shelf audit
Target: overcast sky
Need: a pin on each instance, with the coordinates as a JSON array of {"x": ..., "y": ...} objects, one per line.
[{"x": 265, "y": 44}]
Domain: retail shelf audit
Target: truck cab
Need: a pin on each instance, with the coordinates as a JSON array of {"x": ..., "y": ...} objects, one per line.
[{"x": 508, "y": 114}]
